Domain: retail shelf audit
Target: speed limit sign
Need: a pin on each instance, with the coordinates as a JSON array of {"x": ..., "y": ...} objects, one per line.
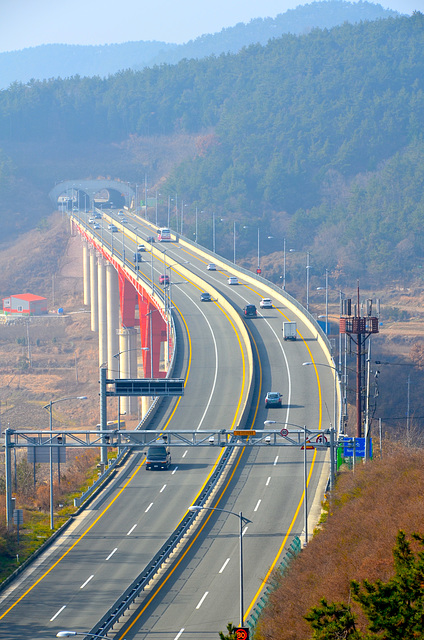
[{"x": 284, "y": 432}]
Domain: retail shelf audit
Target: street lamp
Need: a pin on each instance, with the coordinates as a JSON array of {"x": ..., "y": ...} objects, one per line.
[
  {"x": 336, "y": 377},
  {"x": 48, "y": 407},
  {"x": 242, "y": 521},
  {"x": 308, "y": 266},
  {"x": 326, "y": 300}
]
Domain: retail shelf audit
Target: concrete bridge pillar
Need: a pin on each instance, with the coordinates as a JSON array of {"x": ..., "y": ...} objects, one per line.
[
  {"x": 93, "y": 291},
  {"x": 112, "y": 306},
  {"x": 128, "y": 365},
  {"x": 86, "y": 272},
  {"x": 102, "y": 302},
  {"x": 146, "y": 403}
]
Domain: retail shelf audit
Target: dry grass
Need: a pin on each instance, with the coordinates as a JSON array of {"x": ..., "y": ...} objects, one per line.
[{"x": 368, "y": 508}]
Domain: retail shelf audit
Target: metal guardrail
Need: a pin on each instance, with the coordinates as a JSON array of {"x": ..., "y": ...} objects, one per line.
[
  {"x": 294, "y": 549},
  {"x": 114, "y": 613}
]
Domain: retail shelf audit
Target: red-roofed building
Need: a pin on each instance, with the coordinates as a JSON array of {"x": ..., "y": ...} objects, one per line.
[{"x": 25, "y": 303}]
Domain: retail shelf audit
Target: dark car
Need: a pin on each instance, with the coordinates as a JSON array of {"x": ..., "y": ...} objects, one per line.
[
  {"x": 250, "y": 311},
  {"x": 273, "y": 399},
  {"x": 205, "y": 297},
  {"x": 163, "y": 279},
  {"x": 138, "y": 257},
  {"x": 150, "y": 239},
  {"x": 158, "y": 457}
]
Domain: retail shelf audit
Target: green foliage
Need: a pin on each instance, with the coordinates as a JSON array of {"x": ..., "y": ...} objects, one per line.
[
  {"x": 394, "y": 609},
  {"x": 322, "y": 131},
  {"x": 333, "y": 621},
  {"x": 231, "y": 633}
]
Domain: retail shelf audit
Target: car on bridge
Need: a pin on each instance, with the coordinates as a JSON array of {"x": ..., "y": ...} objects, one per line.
[
  {"x": 250, "y": 311},
  {"x": 158, "y": 457},
  {"x": 163, "y": 279},
  {"x": 273, "y": 399},
  {"x": 141, "y": 247},
  {"x": 90, "y": 220},
  {"x": 112, "y": 227},
  {"x": 150, "y": 239},
  {"x": 96, "y": 225},
  {"x": 205, "y": 297},
  {"x": 211, "y": 267},
  {"x": 124, "y": 221},
  {"x": 266, "y": 303},
  {"x": 233, "y": 280}
]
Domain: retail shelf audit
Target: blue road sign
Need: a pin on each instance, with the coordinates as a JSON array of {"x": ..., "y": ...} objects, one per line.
[{"x": 359, "y": 444}]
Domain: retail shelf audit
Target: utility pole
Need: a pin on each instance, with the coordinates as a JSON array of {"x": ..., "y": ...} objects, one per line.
[{"x": 359, "y": 327}]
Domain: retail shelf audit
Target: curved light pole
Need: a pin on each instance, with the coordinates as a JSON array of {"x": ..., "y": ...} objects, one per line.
[
  {"x": 242, "y": 521},
  {"x": 48, "y": 407},
  {"x": 326, "y": 300},
  {"x": 336, "y": 378}
]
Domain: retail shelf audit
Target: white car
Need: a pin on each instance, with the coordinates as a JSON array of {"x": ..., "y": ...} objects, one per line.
[
  {"x": 120, "y": 213},
  {"x": 141, "y": 247},
  {"x": 211, "y": 267},
  {"x": 266, "y": 303},
  {"x": 233, "y": 280},
  {"x": 90, "y": 220}
]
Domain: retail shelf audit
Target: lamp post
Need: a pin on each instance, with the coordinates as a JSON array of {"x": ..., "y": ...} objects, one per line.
[
  {"x": 213, "y": 232},
  {"x": 336, "y": 377},
  {"x": 308, "y": 266},
  {"x": 49, "y": 407},
  {"x": 259, "y": 264},
  {"x": 242, "y": 521},
  {"x": 195, "y": 235},
  {"x": 326, "y": 300},
  {"x": 156, "y": 218}
]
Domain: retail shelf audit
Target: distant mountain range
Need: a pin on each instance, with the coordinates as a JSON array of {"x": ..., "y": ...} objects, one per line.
[{"x": 61, "y": 60}]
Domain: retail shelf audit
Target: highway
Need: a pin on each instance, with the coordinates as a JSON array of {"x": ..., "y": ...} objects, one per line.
[{"x": 119, "y": 532}]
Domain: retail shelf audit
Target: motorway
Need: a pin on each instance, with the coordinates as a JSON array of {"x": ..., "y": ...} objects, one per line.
[{"x": 117, "y": 534}]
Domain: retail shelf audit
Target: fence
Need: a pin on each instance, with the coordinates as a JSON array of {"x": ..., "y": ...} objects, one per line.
[{"x": 293, "y": 550}]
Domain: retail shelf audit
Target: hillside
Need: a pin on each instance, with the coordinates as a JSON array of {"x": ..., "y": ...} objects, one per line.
[
  {"x": 58, "y": 60},
  {"x": 368, "y": 508},
  {"x": 313, "y": 138}
]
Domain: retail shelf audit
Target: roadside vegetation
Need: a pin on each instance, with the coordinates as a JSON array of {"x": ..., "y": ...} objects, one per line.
[
  {"x": 34, "y": 500},
  {"x": 365, "y": 514},
  {"x": 315, "y": 138}
]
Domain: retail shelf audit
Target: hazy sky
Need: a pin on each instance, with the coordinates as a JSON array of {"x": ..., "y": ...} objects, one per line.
[{"x": 28, "y": 23}]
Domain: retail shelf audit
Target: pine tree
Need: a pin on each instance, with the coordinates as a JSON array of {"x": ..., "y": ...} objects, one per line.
[{"x": 394, "y": 609}]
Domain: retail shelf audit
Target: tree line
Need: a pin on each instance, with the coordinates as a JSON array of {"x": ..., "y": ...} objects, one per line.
[{"x": 317, "y": 135}]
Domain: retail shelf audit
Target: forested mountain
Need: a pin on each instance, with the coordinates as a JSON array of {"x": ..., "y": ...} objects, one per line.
[
  {"x": 59, "y": 60},
  {"x": 317, "y": 138}
]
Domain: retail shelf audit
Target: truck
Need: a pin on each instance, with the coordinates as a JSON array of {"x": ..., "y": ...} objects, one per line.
[{"x": 289, "y": 331}]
